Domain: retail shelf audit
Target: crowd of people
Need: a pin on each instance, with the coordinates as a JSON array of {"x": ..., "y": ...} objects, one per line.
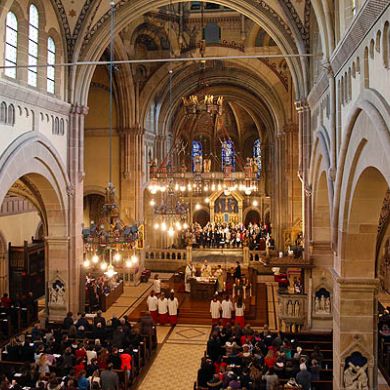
[
  {"x": 95, "y": 288},
  {"x": 242, "y": 358},
  {"x": 79, "y": 355},
  {"x": 229, "y": 235}
]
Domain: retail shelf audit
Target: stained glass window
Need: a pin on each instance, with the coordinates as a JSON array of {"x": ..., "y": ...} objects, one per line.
[
  {"x": 257, "y": 157},
  {"x": 51, "y": 60},
  {"x": 11, "y": 44},
  {"x": 197, "y": 156},
  {"x": 228, "y": 154},
  {"x": 33, "y": 26}
]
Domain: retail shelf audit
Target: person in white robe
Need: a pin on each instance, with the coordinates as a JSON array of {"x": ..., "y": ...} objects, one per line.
[
  {"x": 215, "y": 310},
  {"x": 188, "y": 274},
  {"x": 227, "y": 308}
]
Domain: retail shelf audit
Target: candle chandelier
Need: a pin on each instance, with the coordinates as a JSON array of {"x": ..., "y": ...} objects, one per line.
[{"x": 110, "y": 243}]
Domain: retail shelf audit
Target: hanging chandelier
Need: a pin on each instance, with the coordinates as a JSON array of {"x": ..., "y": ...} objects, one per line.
[{"x": 210, "y": 104}]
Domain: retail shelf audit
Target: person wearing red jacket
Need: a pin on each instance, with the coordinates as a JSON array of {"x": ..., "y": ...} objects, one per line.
[{"x": 126, "y": 359}]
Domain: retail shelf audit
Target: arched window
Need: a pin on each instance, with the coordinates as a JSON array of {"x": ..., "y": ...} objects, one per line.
[
  {"x": 257, "y": 157},
  {"x": 11, "y": 44},
  {"x": 228, "y": 155},
  {"x": 33, "y": 32},
  {"x": 51, "y": 60},
  {"x": 11, "y": 115},
  {"x": 62, "y": 127},
  {"x": 3, "y": 112},
  {"x": 56, "y": 126},
  {"x": 197, "y": 156}
]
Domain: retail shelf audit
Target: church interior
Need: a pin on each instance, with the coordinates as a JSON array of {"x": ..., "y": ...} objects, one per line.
[{"x": 194, "y": 194}]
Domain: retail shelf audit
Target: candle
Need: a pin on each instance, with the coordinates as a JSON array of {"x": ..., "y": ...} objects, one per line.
[
  {"x": 224, "y": 286},
  {"x": 234, "y": 290},
  {"x": 244, "y": 288},
  {"x": 250, "y": 290}
]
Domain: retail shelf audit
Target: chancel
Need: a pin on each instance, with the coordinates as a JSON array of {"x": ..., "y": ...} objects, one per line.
[{"x": 195, "y": 194}]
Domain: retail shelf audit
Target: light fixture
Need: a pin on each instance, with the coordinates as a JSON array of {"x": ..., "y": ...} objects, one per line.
[
  {"x": 103, "y": 266},
  {"x": 86, "y": 263},
  {"x": 152, "y": 202},
  {"x": 185, "y": 225},
  {"x": 171, "y": 231},
  {"x": 164, "y": 226},
  {"x": 207, "y": 200},
  {"x": 156, "y": 226},
  {"x": 255, "y": 203},
  {"x": 95, "y": 259},
  {"x": 198, "y": 206},
  {"x": 117, "y": 257},
  {"x": 128, "y": 263},
  {"x": 110, "y": 271}
]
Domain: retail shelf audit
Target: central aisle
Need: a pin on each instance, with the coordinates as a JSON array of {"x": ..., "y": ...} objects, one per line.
[{"x": 178, "y": 359}]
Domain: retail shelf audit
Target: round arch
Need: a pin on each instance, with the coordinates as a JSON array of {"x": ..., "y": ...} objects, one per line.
[{"x": 98, "y": 39}]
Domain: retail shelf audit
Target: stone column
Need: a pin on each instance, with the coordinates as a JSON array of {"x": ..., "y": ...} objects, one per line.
[
  {"x": 75, "y": 205},
  {"x": 61, "y": 290},
  {"x": 132, "y": 145},
  {"x": 354, "y": 325},
  {"x": 304, "y": 126}
]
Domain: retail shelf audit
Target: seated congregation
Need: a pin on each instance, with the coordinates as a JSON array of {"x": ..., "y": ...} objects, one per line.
[
  {"x": 82, "y": 353},
  {"x": 245, "y": 358}
]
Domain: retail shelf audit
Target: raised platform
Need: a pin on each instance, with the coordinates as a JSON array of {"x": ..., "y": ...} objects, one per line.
[{"x": 197, "y": 312}]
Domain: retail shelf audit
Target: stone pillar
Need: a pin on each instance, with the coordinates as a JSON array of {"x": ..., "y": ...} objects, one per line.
[
  {"x": 132, "y": 169},
  {"x": 354, "y": 325},
  {"x": 75, "y": 205},
  {"x": 304, "y": 126},
  {"x": 61, "y": 290}
]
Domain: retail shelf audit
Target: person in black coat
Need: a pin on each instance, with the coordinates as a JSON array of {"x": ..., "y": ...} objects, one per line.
[
  {"x": 68, "y": 321},
  {"x": 237, "y": 271}
]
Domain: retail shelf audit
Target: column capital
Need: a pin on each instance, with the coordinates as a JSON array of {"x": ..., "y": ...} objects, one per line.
[
  {"x": 302, "y": 105},
  {"x": 79, "y": 109}
]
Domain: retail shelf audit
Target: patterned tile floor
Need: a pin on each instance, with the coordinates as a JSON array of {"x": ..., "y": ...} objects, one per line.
[{"x": 177, "y": 362}]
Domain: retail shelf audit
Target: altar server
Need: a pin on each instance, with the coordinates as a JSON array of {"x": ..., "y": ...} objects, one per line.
[
  {"x": 162, "y": 309},
  {"x": 215, "y": 310},
  {"x": 152, "y": 303},
  {"x": 157, "y": 284},
  {"x": 239, "y": 308},
  {"x": 173, "y": 305},
  {"x": 227, "y": 308}
]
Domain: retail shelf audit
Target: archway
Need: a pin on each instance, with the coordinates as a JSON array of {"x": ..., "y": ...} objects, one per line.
[
  {"x": 362, "y": 181},
  {"x": 201, "y": 216},
  {"x": 31, "y": 168},
  {"x": 93, "y": 208},
  {"x": 253, "y": 217}
]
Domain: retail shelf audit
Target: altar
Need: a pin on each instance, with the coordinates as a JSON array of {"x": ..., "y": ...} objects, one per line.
[{"x": 203, "y": 288}]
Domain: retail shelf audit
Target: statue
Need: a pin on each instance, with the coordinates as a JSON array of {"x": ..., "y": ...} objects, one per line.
[
  {"x": 327, "y": 305},
  {"x": 297, "y": 307},
  {"x": 290, "y": 308},
  {"x": 322, "y": 303},
  {"x": 355, "y": 377},
  {"x": 316, "y": 305}
]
